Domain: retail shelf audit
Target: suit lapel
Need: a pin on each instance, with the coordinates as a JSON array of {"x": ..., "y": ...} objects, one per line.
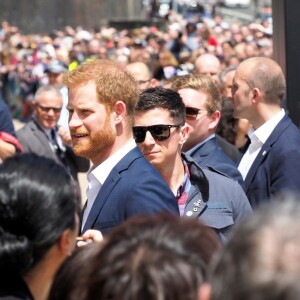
[
  {"x": 109, "y": 185},
  {"x": 257, "y": 162},
  {"x": 101, "y": 198},
  {"x": 262, "y": 155},
  {"x": 206, "y": 148},
  {"x": 42, "y": 139}
]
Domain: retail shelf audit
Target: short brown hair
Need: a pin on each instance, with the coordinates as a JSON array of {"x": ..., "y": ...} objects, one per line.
[
  {"x": 203, "y": 83},
  {"x": 112, "y": 83}
]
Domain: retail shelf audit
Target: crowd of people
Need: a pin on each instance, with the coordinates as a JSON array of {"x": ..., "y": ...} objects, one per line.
[{"x": 191, "y": 160}]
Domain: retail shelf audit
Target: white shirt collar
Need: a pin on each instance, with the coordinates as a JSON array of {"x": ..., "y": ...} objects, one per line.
[
  {"x": 102, "y": 171},
  {"x": 195, "y": 148},
  {"x": 264, "y": 131}
]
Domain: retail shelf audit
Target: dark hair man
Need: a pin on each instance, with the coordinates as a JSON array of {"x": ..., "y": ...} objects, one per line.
[{"x": 160, "y": 132}]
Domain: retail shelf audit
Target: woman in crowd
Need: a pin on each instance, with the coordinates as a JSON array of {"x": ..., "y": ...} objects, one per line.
[{"x": 38, "y": 224}]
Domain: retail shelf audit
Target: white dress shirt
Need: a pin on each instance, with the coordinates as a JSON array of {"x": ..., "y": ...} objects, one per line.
[
  {"x": 258, "y": 138},
  {"x": 97, "y": 176}
]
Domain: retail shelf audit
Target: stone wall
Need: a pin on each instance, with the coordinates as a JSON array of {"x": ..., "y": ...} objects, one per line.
[{"x": 38, "y": 16}]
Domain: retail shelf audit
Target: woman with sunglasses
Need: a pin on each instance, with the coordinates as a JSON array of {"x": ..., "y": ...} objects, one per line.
[{"x": 160, "y": 133}]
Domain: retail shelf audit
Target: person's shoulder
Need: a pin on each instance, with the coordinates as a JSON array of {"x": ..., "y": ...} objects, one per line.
[
  {"x": 221, "y": 181},
  {"x": 212, "y": 173},
  {"x": 134, "y": 162},
  {"x": 13, "y": 287},
  {"x": 26, "y": 129},
  {"x": 285, "y": 135}
]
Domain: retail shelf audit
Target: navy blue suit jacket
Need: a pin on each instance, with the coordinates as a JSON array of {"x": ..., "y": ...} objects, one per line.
[
  {"x": 277, "y": 166},
  {"x": 212, "y": 155},
  {"x": 133, "y": 187}
]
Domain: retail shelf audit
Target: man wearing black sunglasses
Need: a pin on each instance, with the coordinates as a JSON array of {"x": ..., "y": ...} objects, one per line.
[
  {"x": 202, "y": 102},
  {"x": 160, "y": 132}
]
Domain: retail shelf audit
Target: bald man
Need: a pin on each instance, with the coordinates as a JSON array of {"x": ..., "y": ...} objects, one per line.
[
  {"x": 208, "y": 64},
  {"x": 271, "y": 163},
  {"x": 142, "y": 74}
]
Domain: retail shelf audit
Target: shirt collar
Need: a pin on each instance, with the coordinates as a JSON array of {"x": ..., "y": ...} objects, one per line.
[
  {"x": 191, "y": 151},
  {"x": 102, "y": 171},
  {"x": 264, "y": 131}
]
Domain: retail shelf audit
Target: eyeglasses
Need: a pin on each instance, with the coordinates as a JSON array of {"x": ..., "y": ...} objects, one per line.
[
  {"x": 158, "y": 132},
  {"x": 191, "y": 113},
  {"x": 47, "y": 109}
]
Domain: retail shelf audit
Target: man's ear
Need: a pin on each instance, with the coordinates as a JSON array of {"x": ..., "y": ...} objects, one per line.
[
  {"x": 184, "y": 134},
  {"x": 214, "y": 119},
  {"x": 34, "y": 105},
  {"x": 204, "y": 292},
  {"x": 119, "y": 111},
  {"x": 154, "y": 82},
  {"x": 256, "y": 95}
]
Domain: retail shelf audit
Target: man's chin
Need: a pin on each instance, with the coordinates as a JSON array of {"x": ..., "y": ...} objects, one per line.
[{"x": 81, "y": 151}]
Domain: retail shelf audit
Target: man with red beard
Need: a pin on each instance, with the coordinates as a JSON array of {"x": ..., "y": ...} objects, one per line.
[
  {"x": 42, "y": 136},
  {"x": 122, "y": 183}
]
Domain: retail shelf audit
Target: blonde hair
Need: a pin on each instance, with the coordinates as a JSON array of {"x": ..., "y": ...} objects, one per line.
[{"x": 203, "y": 83}]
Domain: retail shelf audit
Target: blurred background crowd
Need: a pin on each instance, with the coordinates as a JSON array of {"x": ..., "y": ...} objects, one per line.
[{"x": 180, "y": 32}]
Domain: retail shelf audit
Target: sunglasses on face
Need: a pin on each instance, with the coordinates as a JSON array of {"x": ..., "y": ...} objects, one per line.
[
  {"x": 158, "y": 132},
  {"x": 191, "y": 113}
]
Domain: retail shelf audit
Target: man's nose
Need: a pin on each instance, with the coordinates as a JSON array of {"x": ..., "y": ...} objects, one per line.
[
  {"x": 74, "y": 120},
  {"x": 149, "y": 140}
]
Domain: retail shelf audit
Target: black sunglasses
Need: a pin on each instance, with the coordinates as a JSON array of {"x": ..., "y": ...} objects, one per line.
[
  {"x": 159, "y": 132},
  {"x": 191, "y": 113}
]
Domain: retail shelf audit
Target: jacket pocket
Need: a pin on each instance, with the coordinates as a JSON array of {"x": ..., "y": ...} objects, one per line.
[{"x": 217, "y": 218}]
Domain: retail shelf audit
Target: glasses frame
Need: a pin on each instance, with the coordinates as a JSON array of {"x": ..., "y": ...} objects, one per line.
[
  {"x": 152, "y": 129},
  {"x": 194, "y": 115},
  {"x": 46, "y": 109}
]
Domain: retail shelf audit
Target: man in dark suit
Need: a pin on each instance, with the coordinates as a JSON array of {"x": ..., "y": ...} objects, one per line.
[
  {"x": 202, "y": 101},
  {"x": 271, "y": 162},
  {"x": 122, "y": 183},
  {"x": 42, "y": 136}
]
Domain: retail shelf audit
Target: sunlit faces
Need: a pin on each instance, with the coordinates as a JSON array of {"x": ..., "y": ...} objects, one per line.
[
  {"x": 47, "y": 109},
  {"x": 140, "y": 73},
  {"x": 241, "y": 95},
  {"x": 160, "y": 153},
  {"x": 198, "y": 128},
  {"x": 91, "y": 125},
  {"x": 208, "y": 64}
]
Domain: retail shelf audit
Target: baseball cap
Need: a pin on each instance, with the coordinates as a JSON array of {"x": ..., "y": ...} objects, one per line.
[{"x": 56, "y": 67}]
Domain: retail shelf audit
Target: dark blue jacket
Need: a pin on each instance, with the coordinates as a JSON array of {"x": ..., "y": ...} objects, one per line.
[
  {"x": 133, "y": 187},
  {"x": 277, "y": 165},
  {"x": 211, "y": 154}
]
